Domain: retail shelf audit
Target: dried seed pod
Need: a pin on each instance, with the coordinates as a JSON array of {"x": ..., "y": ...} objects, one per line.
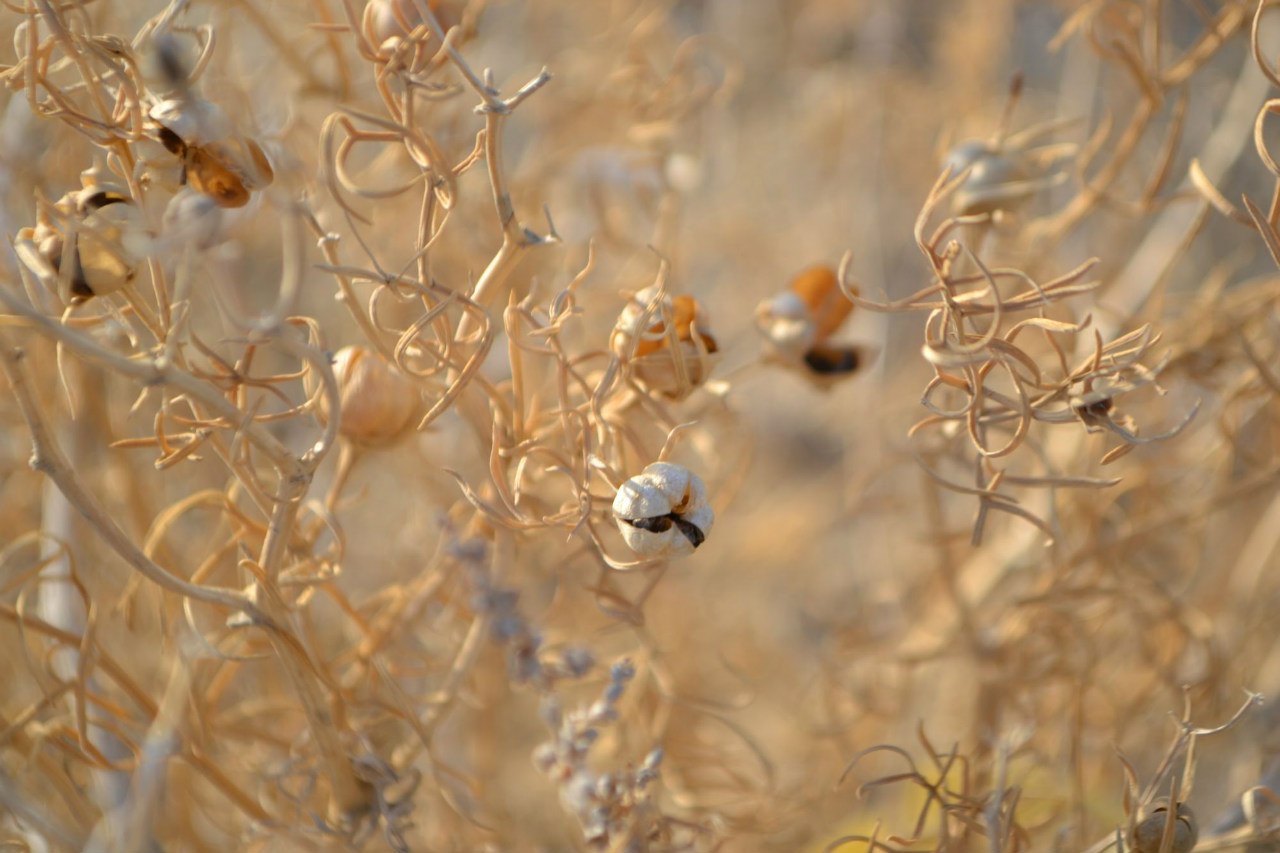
[
  {"x": 227, "y": 172},
  {"x": 179, "y": 122},
  {"x": 387, "y": 19},
  {"x": 1001, "y": 176},
  {"x": 786, "y": 323},
  {"x": 106, "y": 228},
  {"x": 671, "y": 370},
  {"x": 377, "y": 401},
  {"x": 797, "y": 323},
  {"x": 996, "y": 180},
  {"x": 215, "y": 161},
  {"x": 1149, "y": 833},
  {"x": 663, "y": 511}
]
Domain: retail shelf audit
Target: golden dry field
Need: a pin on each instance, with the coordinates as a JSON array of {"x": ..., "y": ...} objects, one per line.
[{"x": 640, "y": 425}]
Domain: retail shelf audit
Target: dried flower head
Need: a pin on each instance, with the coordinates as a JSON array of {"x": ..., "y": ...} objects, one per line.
[
  {"x": 378, "y": 402},
  {"x": 797, "y": 323},
  {"x": 90, "y": 241},
  {"x": 663, "y": 511},
  {"x": 665, "y": 340}
]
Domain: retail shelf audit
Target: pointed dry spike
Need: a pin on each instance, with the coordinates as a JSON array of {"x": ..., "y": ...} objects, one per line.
[
  {"x": 819, "y": 287},
  {"x": 1201, "y": 182}
]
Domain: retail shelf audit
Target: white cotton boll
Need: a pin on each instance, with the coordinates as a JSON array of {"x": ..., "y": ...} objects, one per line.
[
  {"x": 786, "y": 322},
  {"x": 663, "y": 511}
]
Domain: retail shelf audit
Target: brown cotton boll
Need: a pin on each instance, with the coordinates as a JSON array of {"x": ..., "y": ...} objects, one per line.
[
  {"x": 673, "y": 369},
  {"x": 632, "y": 333},
  {"x": 377, "y": 401},
  {"x": 208, "y": 173},
  {"x": 797, "y": 325},
  {"x": 675, "y": 372},
  {"x": 810, "y": 310},
  {"x": 215, "y": 161},
  {"x": 1149, "y": 833},
  {"x": 826, "y": 360},
  {"x": 228, "y": 171},
  {"x": 819, "y": 288}
]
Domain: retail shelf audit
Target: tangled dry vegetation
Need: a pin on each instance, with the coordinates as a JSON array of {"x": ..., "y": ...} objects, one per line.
[{"x": 542, "y": 425}]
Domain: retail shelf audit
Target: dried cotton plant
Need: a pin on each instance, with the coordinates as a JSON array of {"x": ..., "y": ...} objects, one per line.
[{"x": 388, "y": 420}]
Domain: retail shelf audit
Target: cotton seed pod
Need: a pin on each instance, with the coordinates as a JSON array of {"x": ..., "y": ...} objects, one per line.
[
  {"x": 671, "y": 371},
  {"x": 798, "y": 322},
  {"x": 215, "y": 161},
  {"x": 997, "y": 179},
  {"x": 228, "y": 171},
  {"x": 107, "y": 228},
  {"x": 1149, "y": 832},
  {"x": 787, "y": 324},
  {"x": 663, "y": 511},
  {"x": 819, "y": 288},
  {"x": 378, "y": 402},
  {"x": 193, "y": 121}
]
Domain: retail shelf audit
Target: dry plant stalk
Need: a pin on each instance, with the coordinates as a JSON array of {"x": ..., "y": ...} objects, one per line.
[{"x": 329, "y": 477}]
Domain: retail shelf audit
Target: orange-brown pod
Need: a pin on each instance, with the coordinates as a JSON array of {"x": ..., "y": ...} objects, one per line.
[
  {"x": 646, "y": 342},
  {"x": 819, "y": 287},
  {"x": 797, "y": 324}
]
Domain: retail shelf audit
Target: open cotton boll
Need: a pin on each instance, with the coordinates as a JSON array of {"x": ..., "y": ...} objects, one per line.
[
  {"x": 663, "y": 511},
  {"x": 672, "y": 362}
]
